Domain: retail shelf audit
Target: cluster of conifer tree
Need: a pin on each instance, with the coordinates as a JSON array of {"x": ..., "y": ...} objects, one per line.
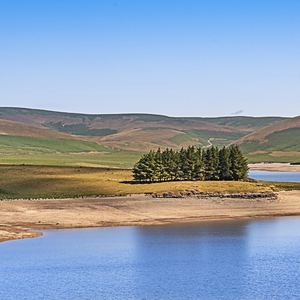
[{"x": 192, "y": 164}]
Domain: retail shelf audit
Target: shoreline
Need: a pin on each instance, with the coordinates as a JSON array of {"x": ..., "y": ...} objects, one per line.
[
  {"x": 17, "y": 217},
  {"x": 274, "y": 167}
]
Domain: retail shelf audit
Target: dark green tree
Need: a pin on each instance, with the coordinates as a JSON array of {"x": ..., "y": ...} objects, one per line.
[
  {"x": 239, "y": 166},
  {"x": 215, "y": 162},
  {"x": 142, "y": 169},
  {"x": 198, "y": 171},
  {"x": 224, "y": 164},
  {"x": 208, "y": 164},
  {"x": 192, "y": 164}
]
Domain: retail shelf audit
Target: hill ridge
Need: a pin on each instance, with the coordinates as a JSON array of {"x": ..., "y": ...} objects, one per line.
[{"x": 139, "y": 131}]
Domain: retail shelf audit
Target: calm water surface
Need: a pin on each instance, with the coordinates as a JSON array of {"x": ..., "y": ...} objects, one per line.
[
  {"x": 254, "y": 259},
  {"x": 275, "y": 176}
]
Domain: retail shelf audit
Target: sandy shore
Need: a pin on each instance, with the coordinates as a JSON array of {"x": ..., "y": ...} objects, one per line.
[
  {"x": 18, "y": 216},
  {"x": 275, "y": 167}
]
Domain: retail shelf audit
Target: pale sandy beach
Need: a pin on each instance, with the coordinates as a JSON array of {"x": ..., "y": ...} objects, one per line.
[{"x": 19, "y": 216}]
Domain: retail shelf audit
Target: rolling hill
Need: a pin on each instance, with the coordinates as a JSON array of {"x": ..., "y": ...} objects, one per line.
[
  {"x": 282, "y": 136},
  {"x": 245, "y": 124},
  {"x": 45, "y": 137},
  {"x": 139, "y": 132},
  {"x": 20, "y": 138},
  {"x": 278, "y": 142},
  {"x": 21, "y": 129}
]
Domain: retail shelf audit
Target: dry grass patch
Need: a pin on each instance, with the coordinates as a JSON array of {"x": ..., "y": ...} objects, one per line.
[
  {"x": 276, "y": 153},
  {"x": 286, "y": 153},
  {"x": 258, "y": 152},
  {"x": 59, "y": 182}
]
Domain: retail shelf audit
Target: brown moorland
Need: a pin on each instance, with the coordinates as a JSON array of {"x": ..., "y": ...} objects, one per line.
[
  {"x": 21, "y": 129},
  {"x": 138, "y": 132}
]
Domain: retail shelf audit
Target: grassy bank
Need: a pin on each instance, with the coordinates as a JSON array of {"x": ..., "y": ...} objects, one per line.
[
  {"x": 272, "y": 156},
  {"x": 66, "y": 152},
  {"x": 119, "y": 159},
  {"x": 56, "y": 182},
  {"x": 10, "y": 144}
]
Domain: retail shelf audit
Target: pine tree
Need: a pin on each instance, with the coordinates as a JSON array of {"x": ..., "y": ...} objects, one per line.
[
  {"x": 171, "y": 162},
  {"x": 215, "y": 162},
  {"x": 176, "y": 165},
  {"x": 166, "y": 161},
  {"x": 141, "y": 169},
  {"x": 159, "y": 169},
  {"x": 224, "y": 164},
  {"x": 239, "y": 167},
  {"x": 192, "y": 164},
  {"x": 208, "y": 164},
  {"x": 150, "y": 164},
  {"x": 198, "y": 172},
  {"x": 182, "y": 164}
]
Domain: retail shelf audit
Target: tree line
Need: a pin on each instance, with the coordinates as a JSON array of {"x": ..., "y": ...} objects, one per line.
[{"x": 192, "y": 164}]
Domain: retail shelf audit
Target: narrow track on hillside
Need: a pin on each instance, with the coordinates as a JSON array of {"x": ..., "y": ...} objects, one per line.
[{"x": 208, "y": 146}]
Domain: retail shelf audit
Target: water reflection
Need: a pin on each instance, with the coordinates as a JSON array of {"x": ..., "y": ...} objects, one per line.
[
  {"x": 210, "y": 254},
  {"x": 250, "y": 259}
]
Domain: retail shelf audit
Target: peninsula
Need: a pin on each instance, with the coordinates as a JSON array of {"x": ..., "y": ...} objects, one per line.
[{"x": 19, "y": 216}]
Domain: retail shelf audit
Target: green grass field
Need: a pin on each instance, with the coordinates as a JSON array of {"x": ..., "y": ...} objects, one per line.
[
  {"x": 11, "y": 144},
  {"x": 207, "y": 134},
  {"x": 243, "y": 122},
  {"x": 59, "y": 182},
  {"x": 267, "y": 157},
  {"x": 285, "y": 140},
  {"x": 182, "y": 138},
  {"x": 202, "y": 137},
  {"x": 62, "y": 152},
  {"x": 79, "y": 129},
  {"x": 119, "y": 159}
]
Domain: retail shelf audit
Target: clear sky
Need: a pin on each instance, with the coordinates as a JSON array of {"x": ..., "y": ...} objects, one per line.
[{"x": 171, "y": 57}]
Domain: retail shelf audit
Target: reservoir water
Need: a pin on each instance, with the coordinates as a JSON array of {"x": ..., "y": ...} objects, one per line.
[
  {"x": 275, "y": 176},
  {"x": 242, "y": 259}
]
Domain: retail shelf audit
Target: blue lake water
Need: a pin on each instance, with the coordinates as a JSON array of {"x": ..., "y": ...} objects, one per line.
[
  {"x": 275, "y": 176},
  {"x": 243, "y": 259}
]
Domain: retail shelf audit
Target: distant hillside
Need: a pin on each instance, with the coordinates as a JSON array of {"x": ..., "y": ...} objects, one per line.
[
  {"x": 282, "y": 136},
  {"x": 12, "y": 144},
  {"x": 20, "y": 138},
  {"x": 278, "y": 142},
  {"x": 246, "y": 124},
  {"x": 21, "y": 129},
  {"x": 139, "y": 132}
]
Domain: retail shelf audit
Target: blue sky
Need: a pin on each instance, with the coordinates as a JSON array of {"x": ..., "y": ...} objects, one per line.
[{"x": 177, "y": 58}]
